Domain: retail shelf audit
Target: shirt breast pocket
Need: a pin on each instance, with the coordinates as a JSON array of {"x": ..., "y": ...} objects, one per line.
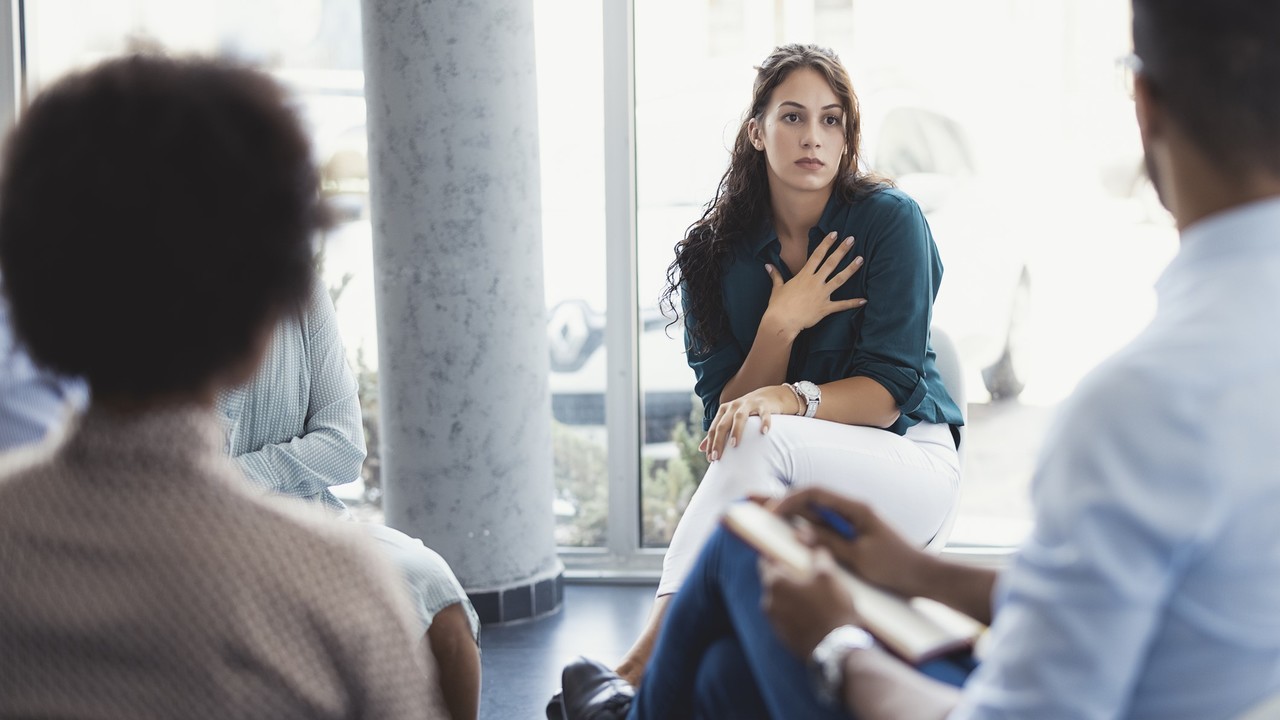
[{"x": 838, "y": 331}]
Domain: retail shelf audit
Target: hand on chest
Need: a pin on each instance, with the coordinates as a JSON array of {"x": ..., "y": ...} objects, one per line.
[{"x": 799, "y": 257}]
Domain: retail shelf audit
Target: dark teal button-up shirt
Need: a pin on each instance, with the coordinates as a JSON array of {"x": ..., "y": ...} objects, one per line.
[{"x": 886, "y": 340}]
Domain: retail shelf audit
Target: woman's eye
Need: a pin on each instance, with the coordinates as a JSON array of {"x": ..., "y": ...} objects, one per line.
[
  {"x": 791, "y": 117},
  {"x": 832, "y": 120}
]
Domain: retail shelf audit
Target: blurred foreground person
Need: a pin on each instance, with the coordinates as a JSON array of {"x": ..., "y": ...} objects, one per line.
[{"x": 155, "y": 221}]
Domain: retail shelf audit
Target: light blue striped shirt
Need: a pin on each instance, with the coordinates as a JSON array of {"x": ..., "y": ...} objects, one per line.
[{"x": 295, "y": 428}]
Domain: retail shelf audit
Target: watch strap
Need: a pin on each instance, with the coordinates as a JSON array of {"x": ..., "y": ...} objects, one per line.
[{"x": 826, "y": 662}]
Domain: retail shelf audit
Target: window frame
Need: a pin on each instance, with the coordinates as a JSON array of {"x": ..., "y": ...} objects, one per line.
[
  {"x": 624, "y": 558},
  {"x": 623, "y": 555}
]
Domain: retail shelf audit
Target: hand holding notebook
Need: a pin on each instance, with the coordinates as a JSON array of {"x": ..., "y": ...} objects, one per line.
[{"x": 915, "y": 629}]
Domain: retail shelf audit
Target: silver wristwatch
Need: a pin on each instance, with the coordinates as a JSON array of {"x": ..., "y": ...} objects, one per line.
[
  {"x": 812, "y": 395},
  {"x": 826, "y": 663}
]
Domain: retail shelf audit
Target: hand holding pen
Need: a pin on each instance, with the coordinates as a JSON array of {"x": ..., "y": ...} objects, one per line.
[{"x": 857, "y": 538}]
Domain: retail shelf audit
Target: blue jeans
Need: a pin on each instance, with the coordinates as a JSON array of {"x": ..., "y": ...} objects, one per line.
[{"x": 718, "y": 657}]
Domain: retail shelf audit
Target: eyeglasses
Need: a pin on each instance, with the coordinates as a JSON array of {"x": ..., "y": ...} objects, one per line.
[{"x": 1128, "y": 68}]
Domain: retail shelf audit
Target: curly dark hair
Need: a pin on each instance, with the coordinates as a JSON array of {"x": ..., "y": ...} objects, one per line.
[
  {"x": 156, "y": 216},
  {"x": 741, "y": 202}
]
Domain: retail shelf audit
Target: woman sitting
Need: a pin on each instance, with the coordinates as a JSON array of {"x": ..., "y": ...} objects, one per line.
[{"x": 807, "y": 288}]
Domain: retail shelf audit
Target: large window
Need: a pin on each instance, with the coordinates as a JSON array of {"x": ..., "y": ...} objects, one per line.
[
  {"x": 1003, "y": 118},
  {"x": 1005, "y": 121},
  {"x": 314, "y": 48}
]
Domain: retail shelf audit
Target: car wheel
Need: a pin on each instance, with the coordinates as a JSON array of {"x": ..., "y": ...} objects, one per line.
[{"x": 1006, "y": 378}]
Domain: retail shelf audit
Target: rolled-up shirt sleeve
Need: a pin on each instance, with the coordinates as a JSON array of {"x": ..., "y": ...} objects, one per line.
[{"x": 901, "y": 265}]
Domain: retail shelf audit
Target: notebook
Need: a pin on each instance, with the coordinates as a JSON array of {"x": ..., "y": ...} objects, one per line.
[{"x": 915, "y": 629}]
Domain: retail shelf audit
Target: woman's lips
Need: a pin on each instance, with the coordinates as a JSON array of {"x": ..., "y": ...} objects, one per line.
[{"x": 810, "y": 163}]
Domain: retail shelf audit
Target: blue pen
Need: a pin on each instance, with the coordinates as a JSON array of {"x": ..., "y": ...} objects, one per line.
[{"x": 834, "y": 521}]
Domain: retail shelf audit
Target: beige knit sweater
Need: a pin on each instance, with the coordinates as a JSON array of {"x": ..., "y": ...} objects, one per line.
[{"x": 139, "y": 579}]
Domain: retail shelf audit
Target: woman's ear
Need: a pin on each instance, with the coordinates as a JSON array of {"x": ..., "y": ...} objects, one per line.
[{"x": 753, "y": 134}]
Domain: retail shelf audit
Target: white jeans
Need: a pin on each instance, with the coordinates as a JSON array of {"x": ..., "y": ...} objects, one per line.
[{"x": 911, "y": 481}]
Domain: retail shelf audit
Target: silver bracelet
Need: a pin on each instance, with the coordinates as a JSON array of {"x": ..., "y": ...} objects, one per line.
[{"x": 800, "y": 401}]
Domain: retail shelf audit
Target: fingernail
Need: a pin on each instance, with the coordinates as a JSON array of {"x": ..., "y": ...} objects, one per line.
[
  {"x": 857, "y": 260},
  {"x": 831, "y": 234},
  {"x": 848, "y": 240},
  {"x": 768, "y": 268},
  {"x": 861, "y": 303},
  {"x": 714, "y": 456},
  {"x": 764, "y": 430},
  {"x": 733, "y": 442}
]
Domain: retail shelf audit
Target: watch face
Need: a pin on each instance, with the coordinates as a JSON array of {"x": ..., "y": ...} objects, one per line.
[{"x": 809, "y": 389}]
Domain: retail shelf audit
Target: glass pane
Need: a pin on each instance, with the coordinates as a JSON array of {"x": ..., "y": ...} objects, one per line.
[
  {"x": 1005, "y": 122},
  {"x": 685, "y": 120},
  {"x": 314, "y": 48},
  {"x": 571, "y": 143}
]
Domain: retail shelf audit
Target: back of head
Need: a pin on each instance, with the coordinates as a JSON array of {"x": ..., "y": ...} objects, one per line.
[
  {"x": 1215, "y": 67},
  {"x": 155, "y": 216}
]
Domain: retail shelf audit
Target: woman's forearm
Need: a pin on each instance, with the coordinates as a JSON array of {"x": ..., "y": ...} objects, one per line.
[
  {"x": 858, "y": 401},
  {"x": 852, "y": 401},
  {"x": 766, "y": 363}
]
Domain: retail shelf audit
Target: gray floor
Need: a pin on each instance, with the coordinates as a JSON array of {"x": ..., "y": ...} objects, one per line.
[{"x": 522, "y": 661}]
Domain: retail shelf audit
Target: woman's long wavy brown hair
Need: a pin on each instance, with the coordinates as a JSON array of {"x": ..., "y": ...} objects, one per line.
[{"x": 741, "y": 202}]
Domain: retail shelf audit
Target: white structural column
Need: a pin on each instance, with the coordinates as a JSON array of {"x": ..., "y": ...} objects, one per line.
[{"x": 465, "y": 409}]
